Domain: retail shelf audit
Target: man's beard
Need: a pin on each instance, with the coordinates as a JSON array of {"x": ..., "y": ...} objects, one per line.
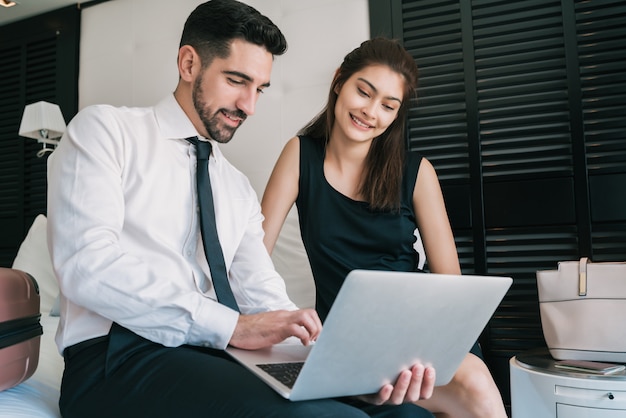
[{"x": 211, "y": 120}]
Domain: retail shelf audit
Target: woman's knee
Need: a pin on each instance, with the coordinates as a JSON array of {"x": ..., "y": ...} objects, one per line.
[{"x": 475, "y": 385}]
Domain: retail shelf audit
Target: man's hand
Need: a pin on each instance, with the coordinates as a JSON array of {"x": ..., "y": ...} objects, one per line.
[
  {"x": 269, "y": 328},
  {"x": 411, "y": 386}
]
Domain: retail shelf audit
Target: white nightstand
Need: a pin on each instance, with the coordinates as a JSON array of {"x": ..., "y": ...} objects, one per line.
[{"x": 539, "y": 390}]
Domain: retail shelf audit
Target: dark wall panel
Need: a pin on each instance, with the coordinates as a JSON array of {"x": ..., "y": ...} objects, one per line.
[
  {"x": 458, "y": 201},
  {"x": 540, "y": 202},
  {"x": 608, "y": 198}
]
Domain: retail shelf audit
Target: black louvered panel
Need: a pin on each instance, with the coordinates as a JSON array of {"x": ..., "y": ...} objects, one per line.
[
  {"x": 601, "y": 34},
  {"x": 609, "y": 242},
  {"x": 9, "y": 143},
  {"x": 438, "y": 125},
  {"x": 40, "y": 75},
  {"x": 519, "y": 253},
  {"x": 465, "y": 248},
  {"x": 11, "y": 152},
  {"x": 9, "y": 90},
  {"x": 522, "y": 90},
  {"x": 41, "y": 70},
  {"x": 10, "y": 182},
  {"x": 522, "y": 251},
  {"x": 28, "y": 75}
]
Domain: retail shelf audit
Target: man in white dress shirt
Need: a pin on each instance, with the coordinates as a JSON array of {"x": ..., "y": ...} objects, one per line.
[{"x": 141, "y": 330}]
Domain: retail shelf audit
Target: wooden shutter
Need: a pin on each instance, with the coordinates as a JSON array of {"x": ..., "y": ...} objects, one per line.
[
  {"x": 600, "y": 37},
  {"x": 521, "y": 109}
]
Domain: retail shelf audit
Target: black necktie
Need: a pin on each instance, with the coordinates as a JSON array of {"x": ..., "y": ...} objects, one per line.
[{"x": 210, "y": 240}]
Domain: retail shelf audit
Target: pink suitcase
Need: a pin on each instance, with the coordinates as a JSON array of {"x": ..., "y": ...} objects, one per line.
[{"x": 20, "y": 327}]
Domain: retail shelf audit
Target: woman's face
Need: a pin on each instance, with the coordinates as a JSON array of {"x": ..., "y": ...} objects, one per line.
[{"x": 368, "y": 103}]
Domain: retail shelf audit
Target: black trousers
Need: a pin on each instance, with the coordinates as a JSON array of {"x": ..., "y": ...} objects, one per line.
[{"x": 124, "y": 375}]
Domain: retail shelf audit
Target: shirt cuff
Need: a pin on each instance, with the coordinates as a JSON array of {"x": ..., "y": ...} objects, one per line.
[{"x": 213, "y": 326}]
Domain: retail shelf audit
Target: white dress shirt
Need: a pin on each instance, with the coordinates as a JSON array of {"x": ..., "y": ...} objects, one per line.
[{"x": 124, "y": 232}]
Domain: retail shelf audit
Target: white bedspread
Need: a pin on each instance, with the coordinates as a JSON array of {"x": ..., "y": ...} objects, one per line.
[{"x": 39, "y": 395}]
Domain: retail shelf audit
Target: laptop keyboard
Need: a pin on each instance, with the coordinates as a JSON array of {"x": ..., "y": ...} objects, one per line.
[{"x": 285, "y": 373}]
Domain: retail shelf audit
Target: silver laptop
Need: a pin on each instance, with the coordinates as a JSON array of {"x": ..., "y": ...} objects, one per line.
[{"x": 381, "y": 323}]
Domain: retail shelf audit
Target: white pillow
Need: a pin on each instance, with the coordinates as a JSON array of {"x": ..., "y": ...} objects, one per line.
[{"x": 33, "y": 258}]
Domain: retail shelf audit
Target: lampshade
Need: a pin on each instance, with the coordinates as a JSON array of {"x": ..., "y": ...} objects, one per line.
[{"x": 42, "y": 121}]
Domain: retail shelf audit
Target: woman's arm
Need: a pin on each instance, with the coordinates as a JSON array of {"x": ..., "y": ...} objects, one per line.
[
  {"x": 281, "y": 192},
  {"x": 433, "y": 222}
]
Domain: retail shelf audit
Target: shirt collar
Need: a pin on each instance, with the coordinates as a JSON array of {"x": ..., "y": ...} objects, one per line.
[
  {"x": 172, "y": 120},
  {"x": 174, "y": 124}
]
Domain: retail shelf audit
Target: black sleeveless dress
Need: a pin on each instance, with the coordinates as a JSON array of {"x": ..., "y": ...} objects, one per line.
[{"x": 341, "y": 234}]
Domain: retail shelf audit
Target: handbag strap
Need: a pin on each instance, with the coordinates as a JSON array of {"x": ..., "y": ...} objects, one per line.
[{"x": 582, "y": 276}]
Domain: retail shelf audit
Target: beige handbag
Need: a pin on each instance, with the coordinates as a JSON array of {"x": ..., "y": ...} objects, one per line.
[{"x": 583, "y": 310}]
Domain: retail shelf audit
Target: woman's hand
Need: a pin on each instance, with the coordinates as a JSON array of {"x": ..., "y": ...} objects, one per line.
[{"x": 411, "y": 386}]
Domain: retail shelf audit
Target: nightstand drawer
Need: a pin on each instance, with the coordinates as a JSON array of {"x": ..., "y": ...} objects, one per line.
[
  {"x": 613, "y": 398},
  {"x": 571, "y": 411}
]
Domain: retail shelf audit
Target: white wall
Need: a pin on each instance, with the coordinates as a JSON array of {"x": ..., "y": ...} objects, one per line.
[{"x": 128, "y": 57}]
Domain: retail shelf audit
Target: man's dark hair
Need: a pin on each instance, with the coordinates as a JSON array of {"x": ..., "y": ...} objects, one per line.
[{"x": 213, "y": 25}]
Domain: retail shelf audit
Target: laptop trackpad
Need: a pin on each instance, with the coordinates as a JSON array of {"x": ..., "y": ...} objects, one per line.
[{"x": 279, "y": 353}]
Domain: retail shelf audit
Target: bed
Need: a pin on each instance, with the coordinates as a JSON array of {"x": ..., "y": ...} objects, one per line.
[{"x": 39, "y": 395}]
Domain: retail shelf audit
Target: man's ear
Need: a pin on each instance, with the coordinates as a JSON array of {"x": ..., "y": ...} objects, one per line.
[{"x": 188, "y": 62}]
